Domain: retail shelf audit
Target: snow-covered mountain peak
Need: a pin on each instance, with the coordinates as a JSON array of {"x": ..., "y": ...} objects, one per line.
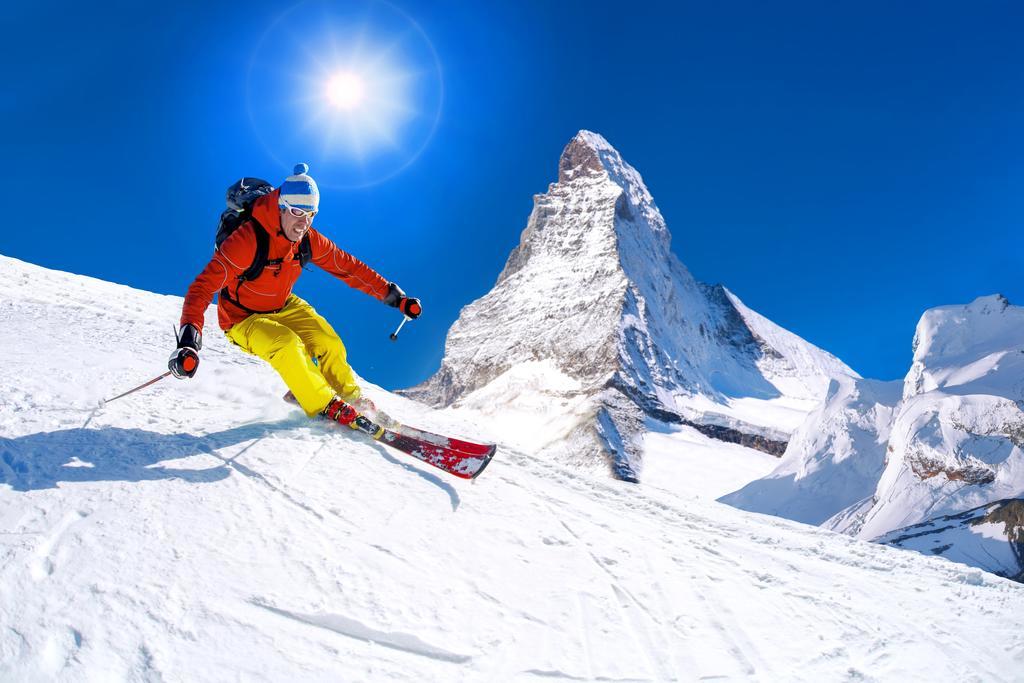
[
  {"x": 948, "y": 339},
  {"x": 947, "y": 331},
  {"x": 589, "y": 158},
  {"x": 594, "y": 296},
  {"x": 589, "y": 154}
]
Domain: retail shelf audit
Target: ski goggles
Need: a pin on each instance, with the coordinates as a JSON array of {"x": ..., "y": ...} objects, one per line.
[{"x": 297, "y": 212}]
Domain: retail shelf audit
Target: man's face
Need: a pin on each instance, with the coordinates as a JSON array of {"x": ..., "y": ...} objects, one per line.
[{"x": 294, "y": 227}]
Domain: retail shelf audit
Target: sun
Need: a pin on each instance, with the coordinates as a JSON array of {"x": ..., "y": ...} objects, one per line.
[
  {"x": 354, "y": 87},
  {"x": 346, "y": 90}
]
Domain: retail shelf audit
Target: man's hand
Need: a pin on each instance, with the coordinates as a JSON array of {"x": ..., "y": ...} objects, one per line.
[
  {"x": 185, "y": 360},
  {"x": 411, "y": 308}
]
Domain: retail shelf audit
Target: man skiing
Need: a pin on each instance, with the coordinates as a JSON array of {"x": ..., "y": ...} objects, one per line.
[{"x": 262, "y": 316}]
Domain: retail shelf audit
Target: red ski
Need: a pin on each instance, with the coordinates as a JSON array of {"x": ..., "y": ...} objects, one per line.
[
  {"x": 446, "y": 442},
  {"x": 467, "y": 463}
]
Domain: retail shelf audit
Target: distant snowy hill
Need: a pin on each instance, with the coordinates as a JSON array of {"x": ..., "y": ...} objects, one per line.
[
  {"x": 878, "y": 457},
  {"x": 834, "y": 460},
  {"x": 204, "y": 530},
  {"x": 594, "y": 327}
]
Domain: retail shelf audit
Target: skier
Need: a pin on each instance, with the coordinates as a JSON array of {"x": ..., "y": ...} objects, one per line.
[{"x": 263, "y": 317}]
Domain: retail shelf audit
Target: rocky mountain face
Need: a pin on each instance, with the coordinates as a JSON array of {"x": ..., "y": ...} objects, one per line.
[
  {"x": 595, "y": 327},
  {"x": 879, "y": 459}
]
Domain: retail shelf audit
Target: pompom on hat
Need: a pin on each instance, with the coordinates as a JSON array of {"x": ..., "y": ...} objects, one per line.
[{"x": 299, "y": 190}]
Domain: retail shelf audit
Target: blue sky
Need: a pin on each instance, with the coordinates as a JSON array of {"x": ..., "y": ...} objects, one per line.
[{"x": 840, "y": 167}]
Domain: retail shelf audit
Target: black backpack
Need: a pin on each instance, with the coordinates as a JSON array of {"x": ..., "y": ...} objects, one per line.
[{"x": 240, "y": 198}]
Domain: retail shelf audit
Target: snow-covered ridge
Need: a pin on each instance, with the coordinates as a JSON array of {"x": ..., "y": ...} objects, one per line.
[
  {"x": 952, "y": 344},
  {"x": 205, "y": 530},
  {"x": 880, "y": 457},
  {"x": 594, "y": 289}
]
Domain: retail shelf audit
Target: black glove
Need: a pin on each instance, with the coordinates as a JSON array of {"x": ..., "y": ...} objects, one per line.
[
  {"x": 185, "y": 360},
  {"x": 409, "y": 307}
]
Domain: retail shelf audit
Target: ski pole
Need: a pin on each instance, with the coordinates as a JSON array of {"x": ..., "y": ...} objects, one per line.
[
  {"x": 141, "y": 386},
  {"x": 394, "y": 335}
]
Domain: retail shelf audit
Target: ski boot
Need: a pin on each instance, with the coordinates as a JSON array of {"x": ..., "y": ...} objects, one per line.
[
  {"x": 343, "y": 413},
  {"x": 340, "y": 412}
]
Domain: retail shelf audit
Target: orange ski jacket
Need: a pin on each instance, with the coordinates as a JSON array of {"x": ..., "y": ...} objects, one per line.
[{"x": 268, "y": 292}]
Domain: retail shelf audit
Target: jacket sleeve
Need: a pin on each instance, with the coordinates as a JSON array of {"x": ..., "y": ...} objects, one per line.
[
  {"x": 346, "y": 267},
  {"x": 228, "y": 262}
]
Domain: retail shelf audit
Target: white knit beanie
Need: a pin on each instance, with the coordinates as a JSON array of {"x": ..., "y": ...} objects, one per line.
[{"x": 299, "y": 190}]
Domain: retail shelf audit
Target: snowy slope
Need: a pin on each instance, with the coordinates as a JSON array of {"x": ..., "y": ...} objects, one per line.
[
  {"x": 205, "y": 530},
  {"x": 595, "y": 321},
  {"x": 990, "y": 536}
]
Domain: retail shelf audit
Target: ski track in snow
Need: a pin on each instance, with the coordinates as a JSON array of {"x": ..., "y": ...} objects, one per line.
[
  {"x": 204, "y": 530},
  {"x": 354, "y": 629}
]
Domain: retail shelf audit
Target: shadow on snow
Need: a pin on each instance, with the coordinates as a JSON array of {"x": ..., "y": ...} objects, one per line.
[{"x": 41, "y": 460}]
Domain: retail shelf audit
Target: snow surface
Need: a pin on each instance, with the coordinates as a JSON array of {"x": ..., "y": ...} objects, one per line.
[
  {"x": 682, "y": 461},
  {"x": 206, "y": 530}
]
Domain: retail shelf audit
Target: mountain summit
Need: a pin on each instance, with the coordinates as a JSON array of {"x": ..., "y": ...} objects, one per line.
[{"x": 594, "y": 327}]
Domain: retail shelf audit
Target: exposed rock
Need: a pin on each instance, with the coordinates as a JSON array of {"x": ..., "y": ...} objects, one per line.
[
  {"x": 1010, "y": 513},
  {"x": 970, "y": 472},
  {"x": 579, "y": 157}
]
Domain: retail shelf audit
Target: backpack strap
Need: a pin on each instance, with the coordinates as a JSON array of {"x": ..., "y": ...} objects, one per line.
[
  {"x": 259, "y": 259},
  {"x": 227, "y": 295},
  {"x": 305, "y": 251},
  {"x": 255, "y": 269},
  {"x": 303, "y": 255}
]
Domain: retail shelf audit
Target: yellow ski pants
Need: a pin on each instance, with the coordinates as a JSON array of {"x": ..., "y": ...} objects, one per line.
[{"x": 288, "y": 340}]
